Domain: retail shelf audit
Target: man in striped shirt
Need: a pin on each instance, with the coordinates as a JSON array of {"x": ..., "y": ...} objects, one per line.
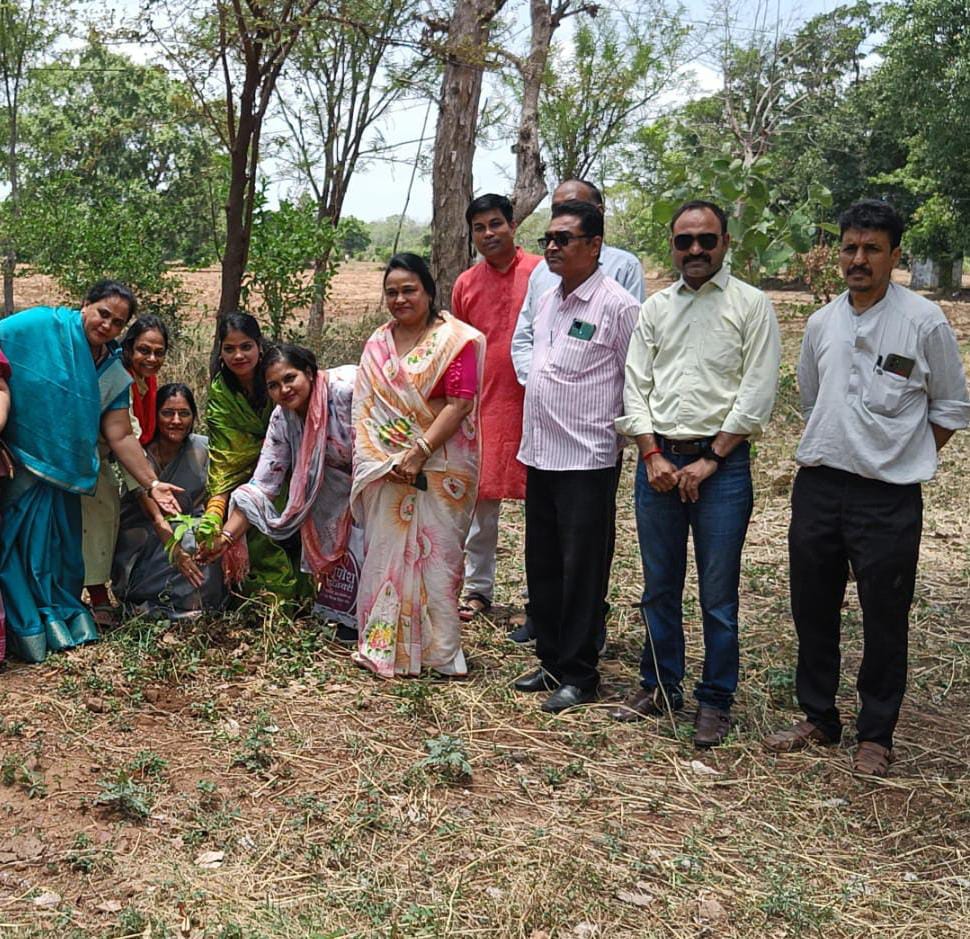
[{"x": 573, "y": 394}]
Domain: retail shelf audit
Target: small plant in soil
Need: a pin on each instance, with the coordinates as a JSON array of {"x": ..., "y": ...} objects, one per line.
[
  {"x": 203, "y": 531},
  {"x": 255, "y": 754},
  {"x": 447, "y": 758},
  {"x": 126, "y": 796}
]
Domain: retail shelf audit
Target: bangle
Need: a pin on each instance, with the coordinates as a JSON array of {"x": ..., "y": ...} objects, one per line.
[
  {"x": 153, "y": 484},
  {"x": 423, "y": 446},
  {"x": 646, "y": 456},
  {"x": 227, "y": 537}
]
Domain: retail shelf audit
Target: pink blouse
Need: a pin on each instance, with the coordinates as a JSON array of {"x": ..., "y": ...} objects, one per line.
[{"x": 460, "y": 379}]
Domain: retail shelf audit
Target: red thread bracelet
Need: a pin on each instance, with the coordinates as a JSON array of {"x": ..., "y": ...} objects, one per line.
[{"x": 646, "y": 456}]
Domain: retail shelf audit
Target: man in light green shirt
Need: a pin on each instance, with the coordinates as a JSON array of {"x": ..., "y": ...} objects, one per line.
[{"x": 701, "y": 375}]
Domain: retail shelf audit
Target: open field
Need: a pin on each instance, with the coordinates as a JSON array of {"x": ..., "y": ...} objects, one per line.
[{"x": 241, "y": 778}]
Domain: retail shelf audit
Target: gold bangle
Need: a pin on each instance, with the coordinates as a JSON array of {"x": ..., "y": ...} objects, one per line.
[
  {"x": 423, "y": 446},
  {"x": 227, "y": 537}
]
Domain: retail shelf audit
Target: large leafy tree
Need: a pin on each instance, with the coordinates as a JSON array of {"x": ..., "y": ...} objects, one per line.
[
  {"x": 27, "y": 31},
  {"x": 99, "y": 128}
]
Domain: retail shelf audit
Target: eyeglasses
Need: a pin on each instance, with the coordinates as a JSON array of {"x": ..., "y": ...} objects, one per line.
[
  {"x": 170, "y": 413},
  {"x": 561, "y": 239},
  {"x": 707, "y": 241}
]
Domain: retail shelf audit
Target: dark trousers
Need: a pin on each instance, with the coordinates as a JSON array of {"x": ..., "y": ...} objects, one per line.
[
  {"x": 839, "y": 519},
  {"x": 570, "y": 521}
]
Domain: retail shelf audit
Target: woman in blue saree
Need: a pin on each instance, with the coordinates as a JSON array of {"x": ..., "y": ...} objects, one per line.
[{"x": 68, "y": 383}]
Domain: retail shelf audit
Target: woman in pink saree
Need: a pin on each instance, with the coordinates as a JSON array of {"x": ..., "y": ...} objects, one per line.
[{"x": 416, "y": 457}]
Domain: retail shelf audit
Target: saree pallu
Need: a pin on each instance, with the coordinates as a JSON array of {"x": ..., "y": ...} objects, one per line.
[
  {"x": 413, "y": 539},
  {"x": 142, "y": 577},
  {"x": 236, "y": 431},
  {"x": 41, "y": 572},
  {"x": 316, "y": 454}
]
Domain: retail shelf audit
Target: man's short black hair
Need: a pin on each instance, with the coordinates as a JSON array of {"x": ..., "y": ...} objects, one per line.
[
  {"x": 701, "y": 204},
  {"x": 873, "y": 215},
  {"x": 590, "y": 217},
  {"x": 596, "y": 197},
  {"x": 487, "y": 203}
]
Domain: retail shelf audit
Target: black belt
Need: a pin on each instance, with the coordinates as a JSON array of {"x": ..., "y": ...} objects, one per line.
[{"x": 686, "y": 447}]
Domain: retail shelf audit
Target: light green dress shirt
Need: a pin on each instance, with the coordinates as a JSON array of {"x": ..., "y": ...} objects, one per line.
[{"x": 702, "y": 361}]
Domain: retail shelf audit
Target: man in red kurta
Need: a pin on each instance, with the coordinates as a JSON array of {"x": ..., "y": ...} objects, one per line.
[{"x": 489, "y": 296}]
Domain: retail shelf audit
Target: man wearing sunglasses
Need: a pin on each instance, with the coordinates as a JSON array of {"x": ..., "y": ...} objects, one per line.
[
  {"x": 617, "y": 264},
  {"x": 570, "y": 448},
  {"x": 701, "y": 376},
  {"x": 883, "y": 389}
]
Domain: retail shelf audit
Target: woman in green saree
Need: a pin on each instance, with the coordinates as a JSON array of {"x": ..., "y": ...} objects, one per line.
[{"x": 237, "y": 414}]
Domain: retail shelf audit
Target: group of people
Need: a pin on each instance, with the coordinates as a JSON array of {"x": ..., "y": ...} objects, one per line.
[{"x": 381, "y": 483}]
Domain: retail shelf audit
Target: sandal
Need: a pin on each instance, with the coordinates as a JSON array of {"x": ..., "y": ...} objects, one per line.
[
  {"x": 472, "y": 605},
  {"x": 872, "y": 759},
  {"x": 105, "y": 615}
]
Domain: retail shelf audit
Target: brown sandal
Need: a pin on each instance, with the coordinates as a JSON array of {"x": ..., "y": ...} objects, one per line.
[
  {"x": 472, "y": 605},
  {"x": 802, "y": 735},
  {"x": 872, "y": 759}
]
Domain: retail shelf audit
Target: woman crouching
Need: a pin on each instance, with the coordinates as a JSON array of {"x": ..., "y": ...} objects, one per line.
[{"x": 308, "y": 440}]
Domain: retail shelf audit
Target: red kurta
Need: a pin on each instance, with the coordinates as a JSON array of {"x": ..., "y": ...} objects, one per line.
[{"x": 490, "y": 301}]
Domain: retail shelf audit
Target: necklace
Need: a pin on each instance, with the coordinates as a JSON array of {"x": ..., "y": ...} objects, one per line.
[{"x": 418, "y": 339}]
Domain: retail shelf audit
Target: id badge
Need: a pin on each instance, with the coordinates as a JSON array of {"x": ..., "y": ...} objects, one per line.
[{"x": 582, "y": 330}]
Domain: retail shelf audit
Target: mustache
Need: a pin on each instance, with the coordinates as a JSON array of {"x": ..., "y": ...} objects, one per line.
[
  {"x": 858, "y": 269},
  {"x": 698, "y": 257}
]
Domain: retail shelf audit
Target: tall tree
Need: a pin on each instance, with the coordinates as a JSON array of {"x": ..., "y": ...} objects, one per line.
[
  {"x": 464, "y": 52},
  {"x": 616, "y": 67},
  {"x": 341, "y": 78},
  {"x": 27, "y": 31},
  {"x": 239, "y": 47}
]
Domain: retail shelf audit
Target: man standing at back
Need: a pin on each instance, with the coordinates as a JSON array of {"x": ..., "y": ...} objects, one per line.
[
  {"x": 616, "y": 264},
  {"x": 701, "y": 376},
  {"x": 489, "y": 296},
  {"x": 882, "y": 390}
]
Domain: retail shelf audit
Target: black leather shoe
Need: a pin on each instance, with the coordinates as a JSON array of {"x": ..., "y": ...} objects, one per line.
[
  {"x": 537, "y": 680},
  {"x": 568, "y": 696}
]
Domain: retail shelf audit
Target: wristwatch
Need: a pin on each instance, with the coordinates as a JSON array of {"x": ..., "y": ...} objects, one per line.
[{"x": 708, "y": 453}]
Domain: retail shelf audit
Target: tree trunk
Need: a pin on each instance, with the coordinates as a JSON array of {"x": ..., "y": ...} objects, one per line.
[
  {"x": 530, "y": 170},
  {"x": 13, "y": 203},
  {"x": 454, "y": 145}
]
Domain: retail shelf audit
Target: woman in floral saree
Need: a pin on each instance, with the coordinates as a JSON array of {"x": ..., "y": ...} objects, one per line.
[{"x": 416, "y": 455}]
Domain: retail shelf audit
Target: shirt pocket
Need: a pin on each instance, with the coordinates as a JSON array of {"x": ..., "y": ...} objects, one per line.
[
  {"x": 721, "y": 351},
  {"x": 889, "y": 395},
  {"x": 572, "y": 358}
]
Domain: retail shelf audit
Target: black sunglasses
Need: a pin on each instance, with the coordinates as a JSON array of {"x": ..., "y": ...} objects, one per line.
[
  {"x": 707, "y": 241},
  {"x": 561, "y": 239}
]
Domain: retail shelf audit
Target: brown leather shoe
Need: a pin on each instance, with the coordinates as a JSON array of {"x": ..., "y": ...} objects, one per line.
[
  {"x": 711, "y": 726},
  {"x": 872, "y": 759},
  {"x": 642, "y": 703},
  {"x": 802, "y": 735}
]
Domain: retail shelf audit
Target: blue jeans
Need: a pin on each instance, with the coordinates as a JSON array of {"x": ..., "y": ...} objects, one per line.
[{"x": 719, "y": 522}]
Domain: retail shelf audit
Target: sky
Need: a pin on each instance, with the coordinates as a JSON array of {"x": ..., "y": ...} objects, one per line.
[{"x": 381, "y": 190}]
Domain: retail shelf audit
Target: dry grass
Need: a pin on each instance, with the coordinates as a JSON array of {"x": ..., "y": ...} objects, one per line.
[{"x": 257, "y": 738}]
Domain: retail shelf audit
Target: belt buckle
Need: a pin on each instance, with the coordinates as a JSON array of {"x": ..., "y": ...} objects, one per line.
[{"x": 686, "y": 447}]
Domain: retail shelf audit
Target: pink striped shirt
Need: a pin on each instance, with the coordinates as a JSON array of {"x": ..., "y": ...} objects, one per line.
[{"x": 575, "y": 387}]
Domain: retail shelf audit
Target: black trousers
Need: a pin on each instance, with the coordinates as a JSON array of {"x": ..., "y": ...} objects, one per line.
[
  {"x": 839, "y": 519},
  {"x": 570, "y": 525}
]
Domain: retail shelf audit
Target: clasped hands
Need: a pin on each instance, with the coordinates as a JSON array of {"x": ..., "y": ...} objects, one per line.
[
  {"x": 663, "y": 476},
  {"x": 407, "y": 468}
]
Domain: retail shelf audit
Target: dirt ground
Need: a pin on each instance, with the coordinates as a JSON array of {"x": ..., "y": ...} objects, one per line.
[{"x": 242, "y": 778}]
